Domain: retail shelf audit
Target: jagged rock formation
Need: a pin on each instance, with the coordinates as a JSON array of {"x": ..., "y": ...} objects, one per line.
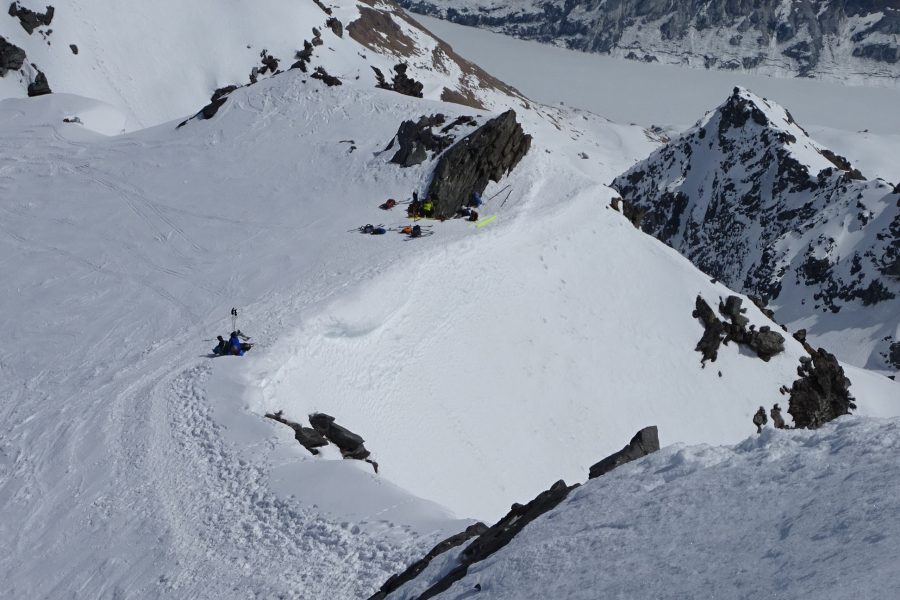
[
  {"x": 487, "y": 154},
  {"x": 402, "y": 83},
  {"x": 644, "y": 442},
  {"x": 751, "y": 200},
  {"x": 765, "y": 342},
  {"x": 417, "y": 138},
  {"x": 852, "y": 40},
  {"x": 822, "y": 393},
  {"x": 11, "y": 57},
  {"x": 309, "y": 438},
  {"x": 489, "y": 540},
  {"x": 30, "y": 19}
]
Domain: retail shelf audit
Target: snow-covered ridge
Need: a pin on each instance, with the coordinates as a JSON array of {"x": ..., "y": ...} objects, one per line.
[
  {"x": 794, "y": 514},
  {"x": 101, "y": 49},
  {"x": 853, "y": 42},
  {"x": 752, "y": 200}
]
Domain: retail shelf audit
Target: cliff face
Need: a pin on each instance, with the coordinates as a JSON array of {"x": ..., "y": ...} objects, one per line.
[{"x": 850, "y": 40}]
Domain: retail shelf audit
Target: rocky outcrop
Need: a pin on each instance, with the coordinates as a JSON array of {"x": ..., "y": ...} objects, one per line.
[
  {"x": 309, "y": 438},
  {"x": 350, "y": 444},
  {"x": 764, "y": 342},
  {"x": 822, "y": 393},
  {"x": 321, "y": 74},
  {"x": 402, "y": 83},
  {"x": 846, "y": 40},
  {"x": 485, "y": 155},
  {"x": 40, "y": 86},
  {"x": 396, "y": 581},
  {"x": 644, "y": 442},
  {"x": 11, "y": 57},
  {"x": 303, "y": 56},
  {"x": 335, "y": 25},
  {"x": 417, "y": 138},
  {"x": 30, "y": 19}
]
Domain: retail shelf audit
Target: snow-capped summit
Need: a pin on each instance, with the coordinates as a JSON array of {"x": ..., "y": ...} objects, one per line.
[{"x": 753, "y": 201}]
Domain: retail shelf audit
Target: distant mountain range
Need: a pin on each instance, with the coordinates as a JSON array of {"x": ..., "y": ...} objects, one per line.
[{"x": 854, "y": 41}]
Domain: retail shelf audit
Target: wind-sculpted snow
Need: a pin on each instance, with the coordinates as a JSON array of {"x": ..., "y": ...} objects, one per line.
[
  {"x": 787, "y": 514},
  {"x": 848, "y": 41},
  {"x": 751, "y": 200}
]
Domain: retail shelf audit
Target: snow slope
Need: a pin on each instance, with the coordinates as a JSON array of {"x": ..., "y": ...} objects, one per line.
[
  {"x": 478, "y": 363},
  {"x": 799, "y": 514}
]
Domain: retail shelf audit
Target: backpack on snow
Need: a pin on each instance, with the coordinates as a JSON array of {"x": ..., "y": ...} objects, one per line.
[{"x": 416, "y": 231}]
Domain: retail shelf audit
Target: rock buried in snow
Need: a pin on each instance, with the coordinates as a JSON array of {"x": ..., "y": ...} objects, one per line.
[{"x": 643, "y": 443}]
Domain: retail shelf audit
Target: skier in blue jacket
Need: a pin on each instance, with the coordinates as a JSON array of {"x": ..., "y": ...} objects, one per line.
[{"x": 234, "y": 343}]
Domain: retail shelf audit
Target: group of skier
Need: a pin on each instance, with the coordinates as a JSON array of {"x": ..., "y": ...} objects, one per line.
[{"x": 423, "y": 209}]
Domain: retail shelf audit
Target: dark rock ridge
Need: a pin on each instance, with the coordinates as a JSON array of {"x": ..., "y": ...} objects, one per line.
[
  {"x": 394, "y": 582},
  {"x": 822, "y": 393},
  {"x": 417, "y": 138},
  {"x": 750, "y": 199},
  {"x": 765, "y": 342},
  {"x": 325, "y": 430},
  {"x": 741, "y": 34},
  {"x": 11, "y": 57},
  {"x": 402, "y": 83},
  {"x": 29, "y": 19},
  {"x": 350, "y": 444},
  {"x": 487, "y": 154},
  {"x": 309, "y": 438},
  {"x": 40, "y": 86},
  {"x": 644, "y": 442},
  {"x": 489, "y": 540}
]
